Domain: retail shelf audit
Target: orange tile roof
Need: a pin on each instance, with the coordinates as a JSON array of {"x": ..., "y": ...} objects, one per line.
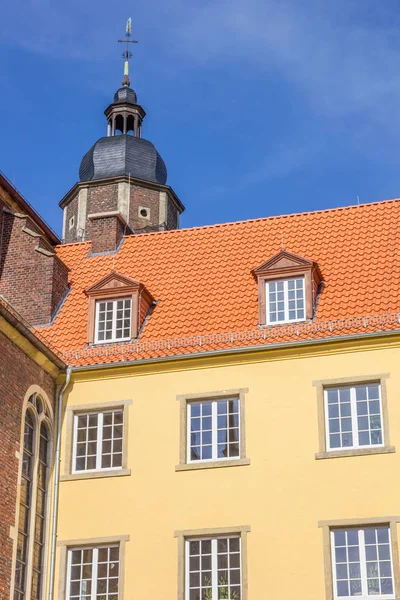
[{"x": 202, "y": 281}]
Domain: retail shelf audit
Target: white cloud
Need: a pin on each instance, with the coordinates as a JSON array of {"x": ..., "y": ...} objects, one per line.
[
  {"x": 342, "y": 57},
  {"x": 343, "y": 62}
]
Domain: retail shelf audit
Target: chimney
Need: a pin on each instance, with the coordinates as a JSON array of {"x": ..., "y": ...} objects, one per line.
[{"x": 106, "y": 231}]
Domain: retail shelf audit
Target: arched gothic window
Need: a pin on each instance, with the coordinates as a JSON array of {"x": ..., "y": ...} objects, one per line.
[{"x": 33, "y": 500}]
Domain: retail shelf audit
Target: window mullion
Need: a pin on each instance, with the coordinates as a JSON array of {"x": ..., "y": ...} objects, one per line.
[
  {"x": 391, "y": 558},
  {"x": 188, "y": 430},
  {"x": 187, "y": 568},
  {"x": 95, "y": 560},
  {"x": 326, "y": 416},
  {"x": 214, "y": 432},
  {"x": 363, "y": 563},
  {"x": 99, "y": 440},
  {"x": 286, "y": 299},
  {"x": 114, "y": 320},
  {"x": 96, "y": 321},
  {"x": 381, "y": 414},
  {"x": 75, "y": 443},
  {"x": 354, "y": 420},
  {"x": 69, "y": 560},
  {"x": 214, "y": 568}
]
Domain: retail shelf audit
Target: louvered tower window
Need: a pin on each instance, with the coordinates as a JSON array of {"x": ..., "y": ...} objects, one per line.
[{"x": 33, "y": 501}]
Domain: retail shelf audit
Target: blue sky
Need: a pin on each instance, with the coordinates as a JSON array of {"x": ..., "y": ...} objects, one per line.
[{"x": 258, "y": 107}]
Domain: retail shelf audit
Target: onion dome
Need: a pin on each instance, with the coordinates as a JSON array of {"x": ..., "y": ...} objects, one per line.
[
  {"x": 118, "y": 155},
  {"x": 125, "y": 94}
]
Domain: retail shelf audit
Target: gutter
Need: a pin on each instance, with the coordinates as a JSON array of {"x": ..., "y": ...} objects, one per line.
[
  {"x": 56, "y": 489},
  {"x": 244, "y": 349}
]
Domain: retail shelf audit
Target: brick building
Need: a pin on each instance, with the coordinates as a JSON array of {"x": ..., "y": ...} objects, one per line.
[{"x": 33, "y": 279}]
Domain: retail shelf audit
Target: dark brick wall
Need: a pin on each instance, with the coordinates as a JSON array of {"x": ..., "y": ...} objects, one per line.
[
  {"x": 172, "y": 215},
  {"x": 2, "y": 217},
  {"x": 105, "y": 233},
  {"x": 71, "y": 211},
  {"x": 141, "y": 196},
  {"x": 102, "y": 198},
  {"x": 32, "y": 282},
  {"x": 60, "y": 283},
  {"x": 17, "y": 373}
]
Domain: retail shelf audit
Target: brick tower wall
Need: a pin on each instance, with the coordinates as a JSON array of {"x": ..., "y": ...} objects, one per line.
[{"x": 127, "y": 198}]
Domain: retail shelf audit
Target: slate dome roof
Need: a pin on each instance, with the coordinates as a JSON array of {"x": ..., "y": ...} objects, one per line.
[
  {"x": 125, "y": 94},
  {"x": 123, "y": 155}
]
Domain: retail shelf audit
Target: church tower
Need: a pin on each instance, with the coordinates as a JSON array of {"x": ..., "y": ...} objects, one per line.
[{"x": 122, "y": 186}]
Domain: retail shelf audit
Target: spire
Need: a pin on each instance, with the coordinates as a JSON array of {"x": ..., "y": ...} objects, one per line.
[{"x": 127, "y": 54}]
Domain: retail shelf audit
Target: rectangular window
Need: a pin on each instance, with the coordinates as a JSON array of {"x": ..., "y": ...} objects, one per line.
[
  {"x": 353, "y": 416},
  {"x": 98, "y": 441},
  {"x": 285, "y": 300},
  {"x": 213, "y": 568},
  {"x": 93, "y": 573},
  {"x": 113, "y": 320},
  {"x": 213, "y": 430},
  {"x": 362, "y": 563}
]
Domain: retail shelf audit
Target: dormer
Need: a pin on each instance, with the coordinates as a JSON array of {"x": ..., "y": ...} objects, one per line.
[
  {"x": 118, "y": 306},
  {"x": 287, "y": 288}
]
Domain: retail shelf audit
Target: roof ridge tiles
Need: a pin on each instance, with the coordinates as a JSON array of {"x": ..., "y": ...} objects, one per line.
[{"x": 246, "y": 221}]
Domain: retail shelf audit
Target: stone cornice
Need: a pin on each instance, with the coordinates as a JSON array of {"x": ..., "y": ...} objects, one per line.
[{"x": 122, "y": 178}]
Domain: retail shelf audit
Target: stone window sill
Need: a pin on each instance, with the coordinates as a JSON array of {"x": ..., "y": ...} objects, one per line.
[
  {"x": 355, "y": 452},
  {"x": 95, "y": 475},
  {"x": 215, "y": 464}
]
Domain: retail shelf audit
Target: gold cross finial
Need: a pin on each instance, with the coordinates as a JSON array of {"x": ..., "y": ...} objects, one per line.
[{"x": 126, "y": 55}]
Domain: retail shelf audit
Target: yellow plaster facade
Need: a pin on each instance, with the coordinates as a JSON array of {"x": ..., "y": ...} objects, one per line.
[{"x": 283, "y": 495}]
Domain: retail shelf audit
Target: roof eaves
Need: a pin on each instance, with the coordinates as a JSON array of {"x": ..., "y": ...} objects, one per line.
[{"x": 239, "y": 350}]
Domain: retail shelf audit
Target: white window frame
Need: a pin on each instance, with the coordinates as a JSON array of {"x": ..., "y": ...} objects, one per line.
[
  {"x": 114, "y": 320},
  {"x": 363, "y": 565},
  {"x": 214, "y": 430},
  {"x": 99, "y": 443},
  {"x": 286, "y": 300},
  {"x": 71, "y": 222},
  {"x": 95, "y": 558},
  {"x": 214, "y": 561},
  {"x": 354, "y": 420}
]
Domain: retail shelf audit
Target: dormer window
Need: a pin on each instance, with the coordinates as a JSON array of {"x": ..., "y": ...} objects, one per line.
[
  {"x": 118, "y": 307},
  {"x": 113, "y": 320},
  {"x": 287, "y": 289},
  {"x": 285, "y": 300}
]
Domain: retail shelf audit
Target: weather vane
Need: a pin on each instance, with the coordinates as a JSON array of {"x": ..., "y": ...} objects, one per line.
[{"x": 126, "y": 55}]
